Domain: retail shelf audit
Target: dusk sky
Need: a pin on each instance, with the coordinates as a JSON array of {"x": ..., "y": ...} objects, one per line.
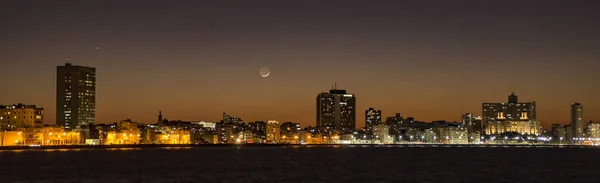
[{"x": 194, "y": 60}]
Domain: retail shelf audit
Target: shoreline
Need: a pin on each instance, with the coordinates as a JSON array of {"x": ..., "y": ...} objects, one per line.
[{"x": 150, "y": 146}]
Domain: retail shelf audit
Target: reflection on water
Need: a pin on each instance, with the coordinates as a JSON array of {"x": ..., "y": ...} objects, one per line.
[{"x": 123, "y": 149}]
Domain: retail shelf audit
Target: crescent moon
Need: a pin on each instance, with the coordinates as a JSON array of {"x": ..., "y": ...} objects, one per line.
[
  {"x": 265, "y": 72},
  {"x": 265, "y": 75}
]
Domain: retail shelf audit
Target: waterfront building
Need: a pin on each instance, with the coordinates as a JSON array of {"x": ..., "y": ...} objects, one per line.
[
  {"x": 259, "y": 128},
  {"x": 568, "y": 134},
  {"x": 593, "y": 130},
  {"x": 75, "y": 96},
  {"x": 289, "y": 127},
  {"x": 530, "y": 127},
  {"x": 123, "y": 132},
  {"x": 396, "y": 124},
  {"x": 467, "y": 121},
  {"x": 474, "y": 137},
  {"x": 336, "y": 110},
  {"x": 381, "y": 133},
  {"x": 510, "y": 117},
  {"x": 413, "y": 134},
  {"x": 13, "y": 117},
  {"x": 273, "y": 131},
  {"x": 558, "y": 134},
  {"x": 372, "y": 118},
  {"x": 451, "y": 135},
  {"x": 577, "y": 123},
  {"x": 11, "y": 138},
  {"x": 478, "y": 124}
]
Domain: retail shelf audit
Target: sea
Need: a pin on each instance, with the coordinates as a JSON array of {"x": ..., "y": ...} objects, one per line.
[{"x": 350, "y": 163}]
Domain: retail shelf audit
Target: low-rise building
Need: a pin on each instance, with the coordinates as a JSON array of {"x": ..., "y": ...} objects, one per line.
[
  {"x": 451, "y": 135},
  {"x": 17, "y": 116}
]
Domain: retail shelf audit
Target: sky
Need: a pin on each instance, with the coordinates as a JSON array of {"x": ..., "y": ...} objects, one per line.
[{"x": 194, "y": 60}]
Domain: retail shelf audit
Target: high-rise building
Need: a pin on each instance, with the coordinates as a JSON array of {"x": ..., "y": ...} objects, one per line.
[
  {"x": 510, "y": 117},
  {"x": 467, "y": 121},
  {"x": 336, "y": 110},
  {"x": 75, "y": 96},
  {"x": 478, "y": 124},
  {"x": 372, "y": 118},
  {"x": 20, "y": 116},
  {"x": 577, "y": 121}
]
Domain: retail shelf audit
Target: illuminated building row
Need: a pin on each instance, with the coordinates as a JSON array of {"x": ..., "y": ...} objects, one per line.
[{"x": 20, "y": 116}]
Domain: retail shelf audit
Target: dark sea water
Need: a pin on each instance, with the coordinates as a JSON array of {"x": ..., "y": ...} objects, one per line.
[{"x": 303, "y": 164}]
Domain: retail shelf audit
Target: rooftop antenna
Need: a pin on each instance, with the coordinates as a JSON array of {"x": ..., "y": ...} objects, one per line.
[{"x": 335, "y": 85}]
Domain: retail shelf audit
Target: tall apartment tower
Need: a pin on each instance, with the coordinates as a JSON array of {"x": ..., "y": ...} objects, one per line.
[
  {"x": 467, "y": 121},
  {"x": 577, "y": 121},
  {"x": 372, "y": 118},
  {"x": 336, "y": 110},
  {"x": 75, "y": 96}
]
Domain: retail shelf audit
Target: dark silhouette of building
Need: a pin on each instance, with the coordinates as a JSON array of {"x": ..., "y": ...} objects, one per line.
[
  {"x": 336, "y": 110},
  {"x": 396, "y": 125},
  {"x": 468, "y": 121},
  {"x": 558, "y": 133},
  {"x": 290, "y": 127},
  {"x": 372, "y": 118},
  {"x": 160, "y": 117},
  {"x": 577, "y": 122},
  {"x": 75, "y": 96},
  {"x": 227, "y": 118}
]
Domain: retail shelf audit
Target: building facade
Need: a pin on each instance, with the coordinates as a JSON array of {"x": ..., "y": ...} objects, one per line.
[
  {"x": 478, "y": 124},
  {"x": 17, "y": 116},
  {"x": 396, "y": 124},
  {"x": 381, "y": 133},
  {"x": 558, "y": 133},
  {"x": 75, "y": 96},
  {"x": 273, "y": 131},
  {"x": 593, "y": 132},
  {"x": 576, "y": 122},
  {"x": 372, "y": 118},
  {"x": 510, "y": 117},
  {"x": 468, "y": 121},
  {"x": 451, "y": 135},
  {"x": 336, "y": 110}
]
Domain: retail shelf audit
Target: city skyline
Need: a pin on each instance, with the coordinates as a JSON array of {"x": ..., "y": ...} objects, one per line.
[{"x": 399, "y": 57}]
